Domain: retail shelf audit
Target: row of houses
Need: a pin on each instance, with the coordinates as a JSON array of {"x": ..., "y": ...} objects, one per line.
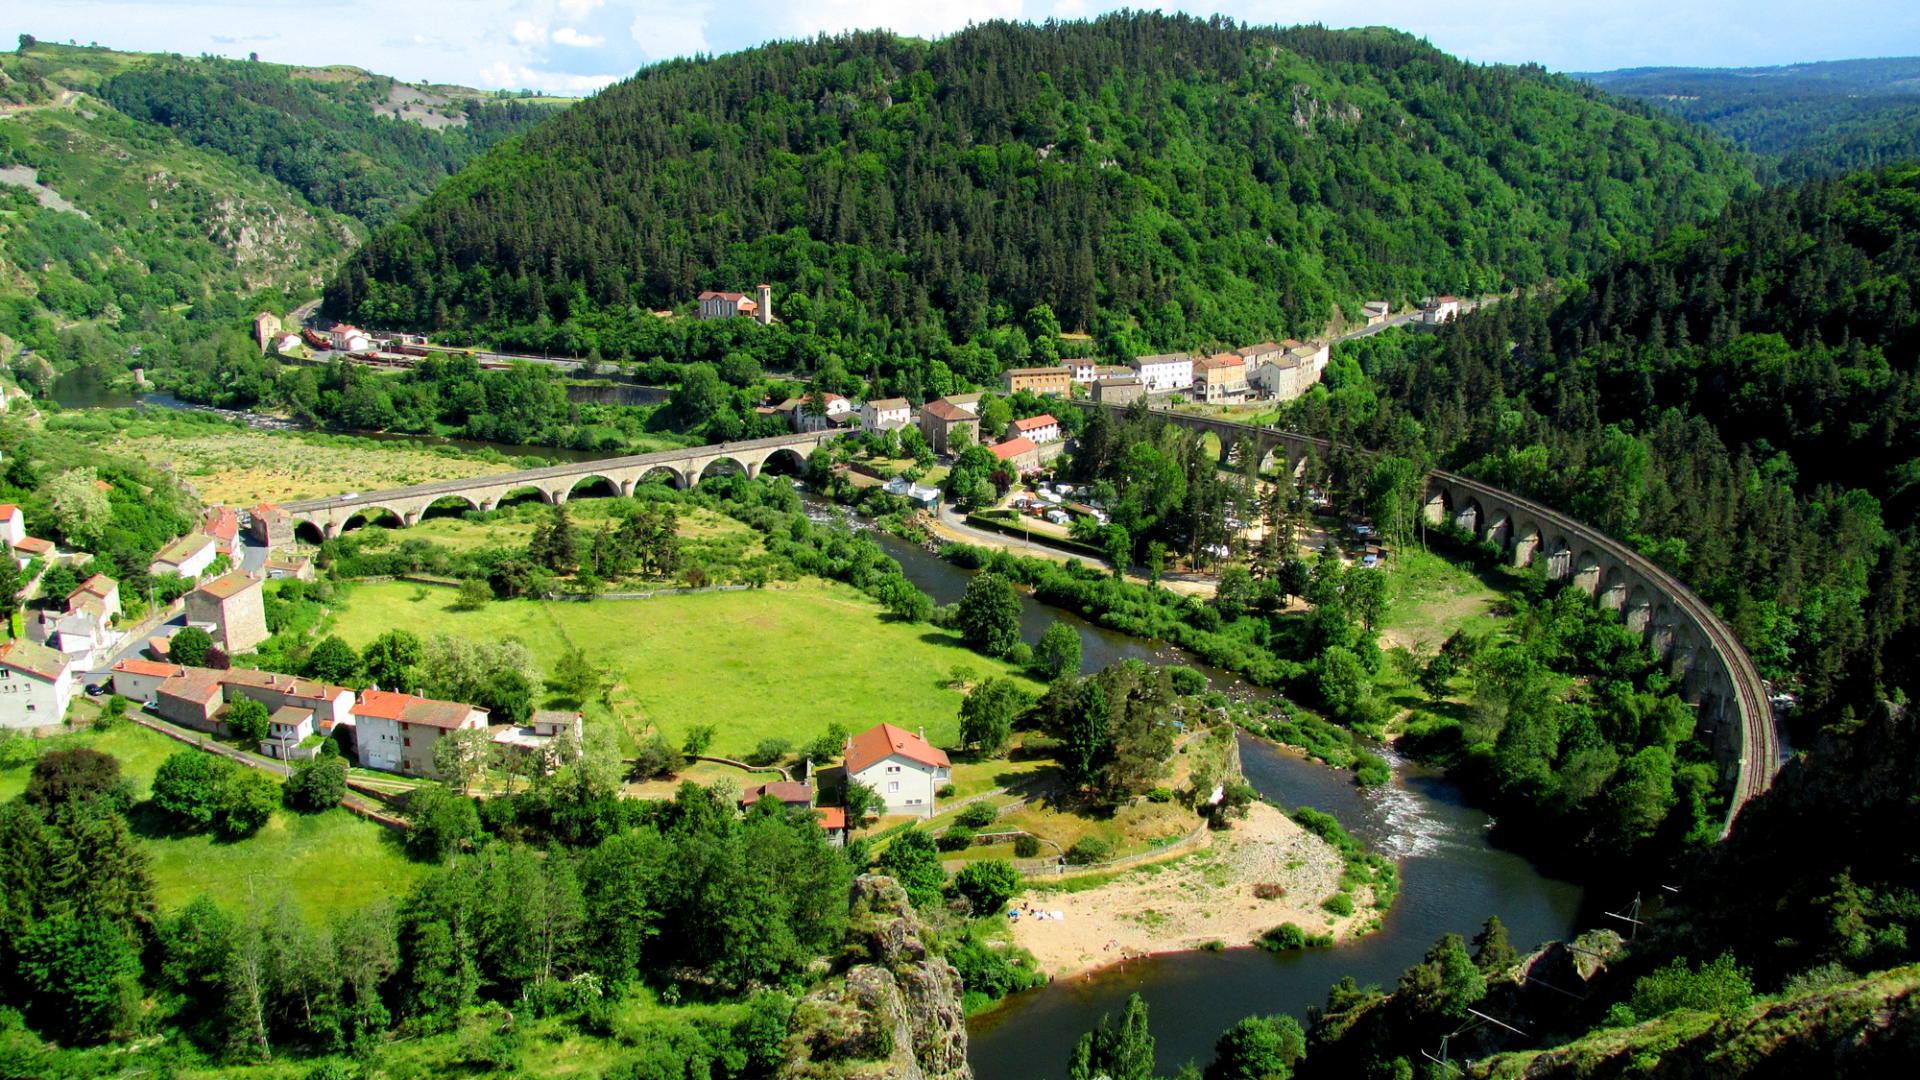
[
  {"x": 1280, "y": 370},
  {"x": 390, "y": 731}
]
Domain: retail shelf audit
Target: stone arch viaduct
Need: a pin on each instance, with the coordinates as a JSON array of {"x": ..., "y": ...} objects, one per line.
[
  {"x": 1713, "y": 670},
  {"x": 553, "y": 484}
]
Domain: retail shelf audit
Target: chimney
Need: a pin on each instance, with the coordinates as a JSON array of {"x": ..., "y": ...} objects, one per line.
[
  {"x": 923, "y": 733},
  {"x": 765, "y": 313}
]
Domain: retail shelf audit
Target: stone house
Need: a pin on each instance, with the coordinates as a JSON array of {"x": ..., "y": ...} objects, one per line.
[
  {"x": 270, "y": 526},
  {"x": 1056, "y": 380},
  {"x": 233, "y": 606},
  {"x": 1021, "y": 454},
  {"x": 1220, "y": 379},
  {"x": 948, "y": 426},
  {"x": 1120, "y": 390}
]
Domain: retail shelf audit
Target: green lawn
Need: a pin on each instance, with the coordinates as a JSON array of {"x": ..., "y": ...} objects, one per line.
[
  {"x": 780, "y": 662},
  {"x": 328, "y": 862}
]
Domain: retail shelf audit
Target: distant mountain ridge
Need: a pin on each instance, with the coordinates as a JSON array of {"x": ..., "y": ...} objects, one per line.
[{"x": 1803, "y": 120}]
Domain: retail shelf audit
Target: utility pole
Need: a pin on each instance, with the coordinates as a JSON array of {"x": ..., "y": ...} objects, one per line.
[{"x": 1632, "y": 916}]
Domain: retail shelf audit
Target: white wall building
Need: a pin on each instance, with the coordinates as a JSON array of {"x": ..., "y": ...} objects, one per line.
[
  {"x": 886, "y": 414},
  {"x": 36, "y": 683},
  {"x": 397, "y": 732},
  {"x": 1164, "y": 373},
  {"x": 903, "y": 767}
]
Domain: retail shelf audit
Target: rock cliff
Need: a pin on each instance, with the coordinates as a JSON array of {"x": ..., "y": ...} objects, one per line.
[{"x": 894, "y": 1014}]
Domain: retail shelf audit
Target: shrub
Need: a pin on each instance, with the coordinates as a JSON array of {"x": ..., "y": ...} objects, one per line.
[
  {"x": 946, "y": 791},
  {"x": 1370, "y": 770},
  {"x": 1268, "y": 890},
  {"x": 956, "y": 838},
  {"x": 1185, "y": 679},
  {"x": 1025, "y": 846},
  {"x": 1339, "y": 903},
  {"x": 976, "y": 815},
  {"x": 1160, "y": 795},
  {"x": 1284, "y": 938},
  {"x": 318, "y": 785},
  {"x": 769, "y": 751},
  {"x": 1087, "y": 851},
  {"x": 987, "y": 885},
  {"x": 655, "y": 757},
  {"x": 246, "y": 802},
  {"x": 187, "y": 787},
  {"x": 248, "y": 720}
]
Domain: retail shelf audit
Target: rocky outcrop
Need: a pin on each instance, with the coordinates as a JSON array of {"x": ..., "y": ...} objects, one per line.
[{"x": 895, "y": 1013}]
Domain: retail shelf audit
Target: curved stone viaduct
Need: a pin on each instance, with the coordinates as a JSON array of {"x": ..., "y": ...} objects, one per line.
[
  {"x": 1715, "y": 673},
  {"x": 554, "y": 484}
]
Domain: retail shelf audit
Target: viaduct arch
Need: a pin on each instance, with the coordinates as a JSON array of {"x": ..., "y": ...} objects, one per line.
[
  {"x": 553, "y": 484},
  {"x": 1712, "y": 669}
]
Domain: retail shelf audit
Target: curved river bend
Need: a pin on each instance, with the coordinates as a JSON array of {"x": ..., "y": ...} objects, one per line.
[{"x": 1452, "y": 878}]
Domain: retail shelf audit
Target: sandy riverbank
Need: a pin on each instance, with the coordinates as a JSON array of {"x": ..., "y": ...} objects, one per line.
[{"x": 1188, "y": 903}]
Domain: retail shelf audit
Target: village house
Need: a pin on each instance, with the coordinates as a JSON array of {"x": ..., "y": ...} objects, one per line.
[
  {"x": 1376, "y": 311},
  {"x": 188, "y": 556},
  {"x": 836, "y": 412},
  {"x": 25, "y": 549},
  {"x": 266, "y": 327},
  {"x": 352, "y": 339},
  {"x": 36, "y": 684},
  {"x": 1021, "y": 454},
  {"x": 729, "y": 305},
  {"x": 1164, "y": 373},
  {"x": 270, "y": 526},
  {"x": 886, "y": 414},
  {"x": 287, "y": 728},
  {"x": 286, "y": 564},
  {"x": 329, "y": 704},
  {"x": 969, "y": 401},
  {"x": 396, "y": 732},
  {"x": 1041, "y": 429},
  {"x": 541, "y": 736},
  {"x": 1083, "y": 369},
  {"x": 98, "y": 595},
  {"x": 1252, "y": 356},
  {"x": 833, "y": 822},
  {"x": 287, "y": 344},
  {"x": 223, "y": 525},
  {"x": 1056, "y": 380},
  {"x": 140, "y": 680},
  {"x": 947, "y": 426},
  {"x": 1122, "y": 390},
  {"x": 1220, "y": 379},
  {"x": 901, "y": 766},
  {"x": 1439, "y": 309},
  {"x": 234, "y": 607},
  {"x": 85, "y": 625},
  {"x": 790, "y": 793}
]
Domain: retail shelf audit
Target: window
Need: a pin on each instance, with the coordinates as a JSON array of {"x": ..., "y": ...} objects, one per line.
[
  {"x": 406, "y": 742},
  {"x": 893, "y": 787},
  {"x": 893, "y": 768}
]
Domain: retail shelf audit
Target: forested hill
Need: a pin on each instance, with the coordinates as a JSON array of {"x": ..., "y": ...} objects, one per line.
[
  {"x": 1802, "y": 120},
  {"x": 1158, "y": 180},
  {"x": 364, "y": 145}
]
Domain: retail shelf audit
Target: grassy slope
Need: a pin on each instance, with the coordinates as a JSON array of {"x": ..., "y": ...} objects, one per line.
[
  {"x": 329, "y": 862},
  {"x": 780, "y": 662}
]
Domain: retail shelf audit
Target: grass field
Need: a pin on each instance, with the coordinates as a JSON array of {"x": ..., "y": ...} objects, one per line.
[
  {"x": 783, "y": 662},
  {"x": 328, "y": 862},
  {"x": 512, "y": 526},
  {"x": 1431, "y": 597}
]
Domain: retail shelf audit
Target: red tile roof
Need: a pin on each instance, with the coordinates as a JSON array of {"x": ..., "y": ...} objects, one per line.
[
  {"x": 1034, "y": 423},
  {"x": 787, "y": 791},
  {"x": 34, "y": 545},
  {"x": 7, "y": 511},
  {"x": 945, "y": 411},
  {"x": 407, "y": 708},
  {"x": 99, "y": 585},
  {"x": 229, "y": 585},
  {"x": 148, "y": 667},
  {"x": 832, "y": 818},
  {"x": 884, "y": 740},
  {"x": 1014, "y": 447},
  {"x": 221, "y": 524}
]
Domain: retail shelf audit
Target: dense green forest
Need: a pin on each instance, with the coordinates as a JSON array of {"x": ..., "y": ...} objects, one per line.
[
  {"x": 1157, "y": 181},
  {"x": 1738, "y": 402},
  {"x": 1803, "y": 121},
  {"x": 324, "y": 139}
]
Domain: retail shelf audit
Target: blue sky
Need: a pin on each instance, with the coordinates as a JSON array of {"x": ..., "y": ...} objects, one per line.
[{"x": 576, "y": 46}]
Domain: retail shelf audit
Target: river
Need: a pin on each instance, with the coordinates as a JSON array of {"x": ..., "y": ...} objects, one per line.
[{"x": 1452, "y": 876}]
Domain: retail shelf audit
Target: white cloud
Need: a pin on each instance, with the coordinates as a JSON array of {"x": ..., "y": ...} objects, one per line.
[
  {"x": 577, "y": 8},
  {"x": 508, "y": 75},
  {"x": 527, "y": 33},
  {"x": 568, "y": 36},
  {"x": 664, "y": 30}
]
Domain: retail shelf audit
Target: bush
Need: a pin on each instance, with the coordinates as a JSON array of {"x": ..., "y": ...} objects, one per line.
[
  {"x": 1088, "y": 851},
  {"x": 656, "y": 757},
  {"x": 946, "y": 791},
  {"x": 1268, "y": 890},
  {"x": 1370, "y": 770},
  {"x": 1185, "y": 679},
  {"x": 248, "y": 720},
  {"x": 769, "y": 751},
  {"x": 976, "y": 815},
  {"x": 187, "y": 787},
  {"x": 318, "y": 785},
  {"x": 987, "y": 885},
  {"x": 247, "y": 799},
  {"x": 1160, "y": 795},
  {"x": 956, "y": 838},
  {"x": 1284, "y": 938},
  {"x": 1026, "y": 846},
  {"x": 1339, "y": 903},
  {"x": 443, "y": 822}
]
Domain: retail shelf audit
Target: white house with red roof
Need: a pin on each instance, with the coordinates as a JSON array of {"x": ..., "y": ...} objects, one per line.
[
  {"x": 1041, "y": 429},
  {"x": 729, "y": 305},
  {"x": 396, "y": 732},
  {"x": 13, "y": 529},
  {"x": 902, "y": 766}
]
